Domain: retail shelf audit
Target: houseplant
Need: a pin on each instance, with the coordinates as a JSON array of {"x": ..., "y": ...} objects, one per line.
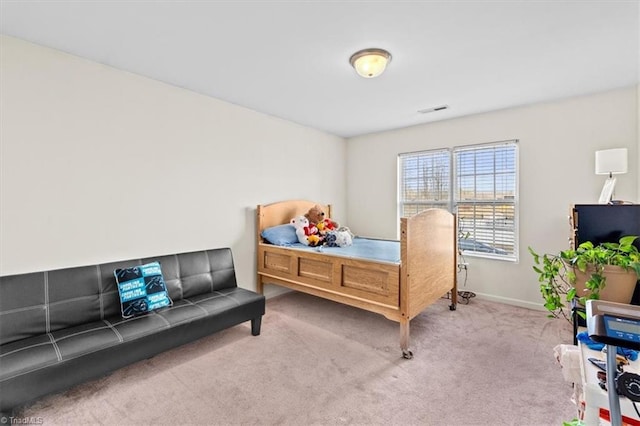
[{"x": 584, "y": 272}]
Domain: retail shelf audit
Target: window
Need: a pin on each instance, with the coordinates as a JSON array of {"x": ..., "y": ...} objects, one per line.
[
  {"x": 477, "y": 182},
  {"x": 425, "y": 181}
]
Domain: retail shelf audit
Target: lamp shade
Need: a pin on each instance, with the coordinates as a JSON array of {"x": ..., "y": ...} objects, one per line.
[
  {"x": 370, "y": 63},
  {"x": 611, "y": 161}
]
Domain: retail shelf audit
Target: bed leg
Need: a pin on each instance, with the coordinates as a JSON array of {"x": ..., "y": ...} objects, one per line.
[
  {"x": 404, "y": 339},
  {"x": 454, "y": 299}
]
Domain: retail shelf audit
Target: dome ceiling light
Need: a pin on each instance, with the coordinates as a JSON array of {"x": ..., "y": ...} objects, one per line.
[{"x": 370, "y": 63}]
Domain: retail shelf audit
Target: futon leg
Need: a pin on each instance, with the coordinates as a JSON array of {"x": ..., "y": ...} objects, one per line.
[
  {"x": 255, "y": 325},
  {"x": 404, "y": 339}
]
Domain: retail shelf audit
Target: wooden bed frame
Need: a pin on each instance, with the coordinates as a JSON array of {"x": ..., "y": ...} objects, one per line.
[{"x": 426, "y": 272}]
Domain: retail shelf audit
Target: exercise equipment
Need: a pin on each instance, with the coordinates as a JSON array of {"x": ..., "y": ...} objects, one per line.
[{"x": 616, "y": 325}]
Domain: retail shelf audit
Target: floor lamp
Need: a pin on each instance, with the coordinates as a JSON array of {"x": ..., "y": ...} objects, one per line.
[{"x": 610, "y": 162}]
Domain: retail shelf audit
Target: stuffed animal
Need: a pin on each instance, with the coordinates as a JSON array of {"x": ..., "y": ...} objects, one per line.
[
  {"x": 315, "y": 214},
  {"x": 317, "y": 217},
  {"x": 306, "y": 233},
  {"x": 301, "y": 223},
  {"x": 314, "y": 240},
  {"x": 343, "y": 238},
  {"x": 347, "y": 230},
  {"x": 326, "y": 225},
  {"x": 338, "y": 239},
  {"x": 330, "y": 239}
]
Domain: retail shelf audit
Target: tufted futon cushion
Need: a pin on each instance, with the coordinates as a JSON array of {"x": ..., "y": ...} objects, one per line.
[{"x": 59, "y": 328}]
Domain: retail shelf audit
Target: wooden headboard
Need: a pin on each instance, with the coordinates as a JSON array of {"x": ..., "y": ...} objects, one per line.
[{"x": 282, "y": 212}]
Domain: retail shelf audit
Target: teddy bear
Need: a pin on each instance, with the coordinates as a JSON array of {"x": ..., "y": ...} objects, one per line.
[
  {"x": 316, "y": 216},
  {"x": 307, "y": 234}
]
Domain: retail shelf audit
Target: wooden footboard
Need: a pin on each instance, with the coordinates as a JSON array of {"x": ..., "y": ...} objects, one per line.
[
  {"x": 428, "y": 265},
  {"x": 365, "y": 284},
  {"x": 429, "y": 261},
  {"x": 426, "y": 272}
]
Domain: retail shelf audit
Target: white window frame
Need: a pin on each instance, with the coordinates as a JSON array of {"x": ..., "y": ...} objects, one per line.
[{"x": 452, "y": 204}]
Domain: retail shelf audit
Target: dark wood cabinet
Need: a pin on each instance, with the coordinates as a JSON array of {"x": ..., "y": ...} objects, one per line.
[{"x": 603, "y": 223}]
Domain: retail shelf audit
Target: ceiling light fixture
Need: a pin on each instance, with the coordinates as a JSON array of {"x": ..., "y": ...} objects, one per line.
[{"x": 370, "y": 63}]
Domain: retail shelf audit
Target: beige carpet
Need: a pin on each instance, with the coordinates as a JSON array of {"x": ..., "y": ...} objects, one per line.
[{"x": 318, "y": 362}]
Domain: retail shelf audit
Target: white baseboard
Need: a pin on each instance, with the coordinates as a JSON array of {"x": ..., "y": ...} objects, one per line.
[
  {"x": 271, "y": 291},
  {"x": 510, "y": 301}
]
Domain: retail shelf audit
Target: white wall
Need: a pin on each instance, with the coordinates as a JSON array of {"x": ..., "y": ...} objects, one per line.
[
  {"x": 99, "y": 164},
  {"x": 73, "y": 133},
  {"x": 557, "y": 145}
]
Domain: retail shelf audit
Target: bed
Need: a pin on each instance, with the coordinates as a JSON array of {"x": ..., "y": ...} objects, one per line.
[{"x": 398, "y": 284}]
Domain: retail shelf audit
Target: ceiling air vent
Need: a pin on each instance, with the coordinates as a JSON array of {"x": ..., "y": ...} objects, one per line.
[{"x": 434, "y": 109}]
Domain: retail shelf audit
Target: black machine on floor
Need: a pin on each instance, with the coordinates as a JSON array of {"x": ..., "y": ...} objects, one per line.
[
  {"x": 602, "y": 223},
  {"x": 616, "y": 325}
]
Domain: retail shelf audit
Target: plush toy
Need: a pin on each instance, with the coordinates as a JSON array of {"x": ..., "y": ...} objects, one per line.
[
  {"x": 317, "y": 217},
  {"x": 315, "y": 214},
  {"x": 330, "y": 239},
  {"x": 314, "y": 240},
  {"x": 306, "y": 233},
  {"x": 327, "y": 225},
  {"x": 347, "y": 230},
  {"x": 343, "y": 238},
  {"x": 338, "y": 238},
  {"x": 301, "y": 223}
]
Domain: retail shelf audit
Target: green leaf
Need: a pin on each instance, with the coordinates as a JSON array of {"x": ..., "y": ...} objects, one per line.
[
  {"x": 557, "y": 272},
  {"x": 586, "y": 245},
  {"x": 628, "y": 240}
]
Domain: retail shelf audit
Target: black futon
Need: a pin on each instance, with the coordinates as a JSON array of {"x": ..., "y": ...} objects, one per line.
[{"x": 62, "y": 327}]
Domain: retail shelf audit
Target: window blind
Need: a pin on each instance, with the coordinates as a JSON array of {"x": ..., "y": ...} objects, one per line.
[
  {"x": 425, "y": 181},
  {"x": 485, "y": 198},
  {"x": 478, "y": 182}
]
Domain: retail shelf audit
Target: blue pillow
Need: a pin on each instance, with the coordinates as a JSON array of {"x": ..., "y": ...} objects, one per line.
[
  {"x": 281, "y": 235},
  {"x": 142, "y": 289}
]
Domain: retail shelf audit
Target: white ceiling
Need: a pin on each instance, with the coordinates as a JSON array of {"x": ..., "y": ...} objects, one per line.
[{"x": 290, "y": 58}]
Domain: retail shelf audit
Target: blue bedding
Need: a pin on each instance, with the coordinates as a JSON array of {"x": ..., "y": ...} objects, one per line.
[{"x": 362, "y": 248}]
